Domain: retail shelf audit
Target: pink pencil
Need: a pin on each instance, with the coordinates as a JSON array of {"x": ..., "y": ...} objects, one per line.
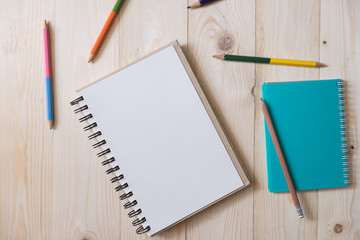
[{"x": 49, "y": 92}]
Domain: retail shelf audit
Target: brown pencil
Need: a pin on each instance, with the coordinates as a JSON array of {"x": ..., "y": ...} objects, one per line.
[{"x": 281, "y": 159}]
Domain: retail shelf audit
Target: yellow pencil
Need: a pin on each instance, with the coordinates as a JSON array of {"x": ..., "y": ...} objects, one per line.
[{"x": 278, "y": 61}]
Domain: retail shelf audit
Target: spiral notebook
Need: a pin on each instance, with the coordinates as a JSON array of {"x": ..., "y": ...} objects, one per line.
[
  {"x": 158, "y": 135},
  {"x": 309, "y": 120}
]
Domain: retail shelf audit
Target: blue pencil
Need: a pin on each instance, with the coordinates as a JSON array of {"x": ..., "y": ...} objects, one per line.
[
  {"x": 199, "y": 3},
  {"x": 49, "y": 92}
]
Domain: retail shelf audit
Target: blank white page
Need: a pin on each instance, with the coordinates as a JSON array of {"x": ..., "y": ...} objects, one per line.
[{"x": 162, "y": 138}]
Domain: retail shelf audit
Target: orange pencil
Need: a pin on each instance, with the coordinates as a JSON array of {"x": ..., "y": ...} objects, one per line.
[{"x": 105, "y": 29}]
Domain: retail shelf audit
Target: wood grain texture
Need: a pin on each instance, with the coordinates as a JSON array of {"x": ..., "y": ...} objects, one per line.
[
  {"x": 53, "y": 187},
  {"x": 227, "y": 26},
  {"x": 94, "y": 210},
  {"x": 284, "y": 29},
  {"x": 340, "y": 46},
  {"x": 26, "y": 144}
]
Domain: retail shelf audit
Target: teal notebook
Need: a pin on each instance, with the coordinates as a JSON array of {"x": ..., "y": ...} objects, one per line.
[{"x": 309, "y": 120}]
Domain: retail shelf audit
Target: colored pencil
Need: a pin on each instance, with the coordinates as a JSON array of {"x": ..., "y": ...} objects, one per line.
[
  {"x": 105, "y": 29},
  {"x": 48, "y": 80},
  {"x": 281, "y": 159},
  {"x": 278, "y": 61},
  {"x": 199, "y": 3}
]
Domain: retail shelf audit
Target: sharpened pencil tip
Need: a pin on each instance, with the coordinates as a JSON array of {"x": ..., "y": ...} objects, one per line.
[
  {"x": 320, "y": 65},
  {"x": 219, "y": 56},
  {"x": 195, "y": 5},
  {"x": 91, "y": 57},
  {"x": 51, "y": 124}
]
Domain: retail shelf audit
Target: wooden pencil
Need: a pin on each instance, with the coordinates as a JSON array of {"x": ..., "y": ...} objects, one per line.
[
  {"x": 278, "y": 61},
  {"x": 281, "y": 159},
  {"x": 48, "y": 80},
  {"x": 105, "y": 29},
  {"x": 199, "y": 3}
]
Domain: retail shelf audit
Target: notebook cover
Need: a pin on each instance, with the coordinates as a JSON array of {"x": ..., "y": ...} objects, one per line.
[{"x": 307, "y": 122}]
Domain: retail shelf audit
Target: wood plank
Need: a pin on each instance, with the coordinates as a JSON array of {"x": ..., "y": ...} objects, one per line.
[
  {"x": 26, "y": 143},
  {"x": 87, "y": 204},
  {"x": 284, "y": 29},
  {"x": 84, "y": 199},
  {"x": 225, "y": 26},
  {"x": 340, "y": 37}
]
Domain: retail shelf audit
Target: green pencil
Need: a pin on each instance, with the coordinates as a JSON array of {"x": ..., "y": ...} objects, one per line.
[{"x": 269, "y": 60}]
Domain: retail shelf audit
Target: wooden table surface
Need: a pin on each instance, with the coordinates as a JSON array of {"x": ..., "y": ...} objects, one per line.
[{"x": 53, "y": 187}]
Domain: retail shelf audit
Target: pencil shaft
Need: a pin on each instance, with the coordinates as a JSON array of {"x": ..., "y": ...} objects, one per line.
[
  {"x": 246, "y": 59},
  {"x": 48, "y": 80},
  {"x": 202, "y": 2},
  {"x": 277, "y": 61},
  {"x": 292, "y": 62},
  {"x": 103, "y": 33},
  {"x": 105, "y": 29},
  {"x": 49, "y": 99},
  {"x": 279, "y": 153},
  {"x": 47, "y": 57},
  {"x": 117, "y": 6}
]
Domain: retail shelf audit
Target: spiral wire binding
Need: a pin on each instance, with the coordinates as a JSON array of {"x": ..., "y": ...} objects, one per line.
[
  {"x": 95, "y": 135},
  {"x": 126, "y": 195},
  {"x": 107, "y": 161},
  {"x": 343, "y": 131}
]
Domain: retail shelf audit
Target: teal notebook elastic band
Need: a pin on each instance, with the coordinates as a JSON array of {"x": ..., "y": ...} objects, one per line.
[{"x": 308, "y": 118}]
